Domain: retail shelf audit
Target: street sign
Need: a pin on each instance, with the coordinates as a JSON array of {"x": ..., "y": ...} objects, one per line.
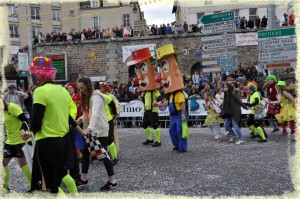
[
  {"x": 277, "y": 43},
  {"x": 227, "y": 61},
  {"x": 228, "y": 68},
  {"x": 276, "y": 33},
  {"x": 218, "y": 37},
  {"x": 220, "y": 55},
  {"x": 217, "y": 29},
  {"x": 218, "y": 46},
  {"x": 277, "y": 56},
  {"x": 211, "y": 70},
  {"x": 280, "y": 65},
  {"x": 217, "y": 18}
]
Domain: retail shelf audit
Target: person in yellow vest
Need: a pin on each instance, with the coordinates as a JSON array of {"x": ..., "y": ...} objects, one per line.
[
  {"x": 15, "y": 126},
  {"x": 50, "y": 122},
  {"x": 172, "y": 82},
  {"x": 146, "y": 79}
]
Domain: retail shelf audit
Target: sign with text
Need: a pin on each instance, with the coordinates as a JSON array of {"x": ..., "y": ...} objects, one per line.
[
  {"x": 218, "y": 46},
  {"x": 132, "y": 109},
  {"x": 59, "y": 61},
  {"x": 220, "y": 55},
  {"x": 228, "y": 68},
  {"x": 217, "y": 18},
  {"x": 277, "y": 56},
  {"x": 279, "y": 65},
  {"x": 23, "y": 61},
  {"x": 218, "y": 37},
  {"x": 276, "y": 33},
  {"x": 217, "y": 29},
  {"x": 219, "y": 62},
  {"x": 247, "y": 39},
  {"x": 277, "y": 43},
  {"x": 126, "y": 50}
]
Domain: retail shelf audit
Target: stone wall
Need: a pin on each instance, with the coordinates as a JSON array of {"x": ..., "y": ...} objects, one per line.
[{"x": 108, "y": 54}]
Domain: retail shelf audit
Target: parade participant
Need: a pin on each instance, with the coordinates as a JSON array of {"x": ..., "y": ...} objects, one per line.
[
  {"x": 94, "y": 121},
  {"x": 50, "y": 123},
  {"x": 213, "y": 119},
  {"x": 173, "y": 86},
  {"x": 15, "y": 126},
  {"x": 271, "y": 94},
  {"x": 146, "y": 79},
  {"x": 287, "y": 115},
  {"x": 110, "y": 113},
  {"x": 255, "y": 125}
]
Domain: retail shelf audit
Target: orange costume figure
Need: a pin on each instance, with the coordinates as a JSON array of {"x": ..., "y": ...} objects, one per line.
[
  {"x": 146, "y": 77},
  {"x": 173, "y": 85}
]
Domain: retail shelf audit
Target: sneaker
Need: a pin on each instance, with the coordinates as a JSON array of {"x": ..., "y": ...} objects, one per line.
[
  {"x": 108, "y": 186},
  {"x": 262, "y": 140},
  {"x": 194, "y": 126},
  {"x": 232, "y": 138},
  {"x": 156, "y": 144},
  {"x": 148, "y": 142},
  {"x": 198, "y": 126},
  {"x": 175, "y": 149},
  {"x": 227, "y": 134},
  {"x": 81, "y": 183},
  {"x": 115, "y": 161},
  {"x": 240, "y": 142},
  {"x": 275, "y": 130}
]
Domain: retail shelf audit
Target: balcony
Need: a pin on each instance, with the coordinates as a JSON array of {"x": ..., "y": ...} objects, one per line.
[
  {"x": 14, "y": 39},
  {"x": 13, "y": 17},
  {"x": 56, "y": 22}
]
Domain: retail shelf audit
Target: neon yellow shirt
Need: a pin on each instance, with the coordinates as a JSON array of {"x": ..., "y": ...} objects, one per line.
[
  {"x": 13, "y": 124},
  {"x": 155, "y": 95},
  {"x": 56, "y": 99},
  {"x": 106, "y": 108},
  {"x": 179, "y": 98},
  {"x": 252, "y": 100}
]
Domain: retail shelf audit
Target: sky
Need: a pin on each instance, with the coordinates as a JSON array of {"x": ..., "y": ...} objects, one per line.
[{"x": 158, "y": 12}]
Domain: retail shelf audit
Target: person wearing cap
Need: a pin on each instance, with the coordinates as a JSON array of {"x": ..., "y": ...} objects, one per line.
[
  {"x": 271, "y": 95},
  {"x": 287, "y": 115},
  {"x": 16, "y": 97},
  {"x": 173, "y": 86},
  {"x": 50, "y": 122},
  {"x": 255, "y": 125},
  {"x": 146, "y": 78}
]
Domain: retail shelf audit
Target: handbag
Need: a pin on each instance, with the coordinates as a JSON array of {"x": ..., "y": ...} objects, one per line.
[
  {"x": 226, "y": 112},
  {"x": 28, "y": 151},
  {"x": 95, "y": 148},
  {"x": 259, "y": 112},
  {"x": 185, "y": 130},
  {"x": 194, "y": 105}
]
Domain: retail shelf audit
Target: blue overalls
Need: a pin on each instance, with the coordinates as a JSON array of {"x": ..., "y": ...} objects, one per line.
[{"x": 175, "y": 129}]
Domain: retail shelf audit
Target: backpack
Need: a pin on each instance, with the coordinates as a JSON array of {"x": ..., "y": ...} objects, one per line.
[{"x": 185, "y": 97}]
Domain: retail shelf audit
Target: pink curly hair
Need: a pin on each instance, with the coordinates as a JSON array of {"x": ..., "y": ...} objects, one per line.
[{"x": 48, "y": 74}]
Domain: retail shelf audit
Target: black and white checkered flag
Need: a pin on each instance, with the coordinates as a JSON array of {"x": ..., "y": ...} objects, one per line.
[{"x": 95, "y": 148}]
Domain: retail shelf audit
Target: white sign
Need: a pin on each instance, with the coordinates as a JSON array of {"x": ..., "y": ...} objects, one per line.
[
  {"x": 23, "y": 61},
  {"x": 220, "y": 55},
  {"x": 218, "y": 46},
  {"x": 126, "y": 50},
  {"x": 132, "y": 109},
  {"x": 218, "y": 37},
  {"x": 277, "y": 43},
  {"x": 277, "y": 56},
  {"x": 247, "y": 39},
  {"x": 217, "y": 29},
  {"x": 211, "y": 70}
]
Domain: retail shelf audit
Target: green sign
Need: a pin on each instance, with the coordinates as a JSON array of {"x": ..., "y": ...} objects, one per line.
[
  {"x": 59, "y": 62},
  {"x": 217, "y": 18},
  {"x": 276, "y": 33},
  {"x": 23, "y": 73}
]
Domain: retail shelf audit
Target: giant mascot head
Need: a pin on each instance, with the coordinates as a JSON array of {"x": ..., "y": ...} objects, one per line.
[
  {"x": 167, "y": 61},
  {"x": 145, "y": 71}
]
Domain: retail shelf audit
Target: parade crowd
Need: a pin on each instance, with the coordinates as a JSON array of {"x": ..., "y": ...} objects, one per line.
[{"x": 82, "y": 127}]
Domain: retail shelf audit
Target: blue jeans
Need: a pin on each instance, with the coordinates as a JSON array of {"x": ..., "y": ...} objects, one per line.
[{"x": 228, "y": 122}]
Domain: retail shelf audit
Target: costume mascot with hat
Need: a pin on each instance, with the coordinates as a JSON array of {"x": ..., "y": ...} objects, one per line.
[
  {"x": 254, "y": 121},
  {"x": 146, "y": 78},
  {"x": 172, "y": 82},
  {"x": 271, "y": 94}
]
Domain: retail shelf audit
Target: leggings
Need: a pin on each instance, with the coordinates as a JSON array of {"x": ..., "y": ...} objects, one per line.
[
  {"x": 86, "y": 158},
  {"x": 110, "y": 138}
]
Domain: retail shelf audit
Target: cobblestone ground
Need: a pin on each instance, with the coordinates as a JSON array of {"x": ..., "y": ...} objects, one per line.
[{"x": 207, "y": 169}]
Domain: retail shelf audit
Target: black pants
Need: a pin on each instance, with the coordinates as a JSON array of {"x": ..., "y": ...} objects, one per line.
[
  {"x": 74, "y": 168},
  {"x": 86, "y": 158},
  {"x": 252, "y": 121},
  {"x": 49, "y": 161},
  {"x": 150, "y": 118},
  {"x": 110, "y": 138}
]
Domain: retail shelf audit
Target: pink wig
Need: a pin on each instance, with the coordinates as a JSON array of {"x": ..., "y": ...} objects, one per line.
[{"x": 42, "y": 68}]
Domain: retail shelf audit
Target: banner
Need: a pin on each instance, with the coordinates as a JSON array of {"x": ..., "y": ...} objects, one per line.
[
  {"x": 23, "y": 61},
  {"x": 136, "y": 109},
  {"x": 126, "y": 50},
  {"x": 246, "y": 39}
]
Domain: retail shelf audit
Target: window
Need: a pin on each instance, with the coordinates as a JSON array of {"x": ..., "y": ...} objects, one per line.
[
  {"x": 12, "y": 11},
  {"x": 96, "y": 3},
  {"x": 126, "y": 20},
  {"x": 35, "y": 31},
  {"x": 56, "y": 15},
  {"x": 71, "y": 12},
  {"x": 14, "y": 31},
  {"x": 57, "y": 30},
  {"x": 35, "y": 13},
  {"x": 95, "y": 22},
  {"x": 208, "y": 2},
  {"x": 199, "y": 15},
  {"x": 236, "y": 13},
  {"x": 252, "y": 12}
]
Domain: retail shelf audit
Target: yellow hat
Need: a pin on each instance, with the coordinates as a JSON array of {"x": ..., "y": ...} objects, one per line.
[{"x": 165, "y": 50}]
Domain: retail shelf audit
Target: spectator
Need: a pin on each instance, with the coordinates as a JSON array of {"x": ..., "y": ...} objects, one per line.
[
  {"x": 64, "y": 37},
  {"x": 284, "y": 20},
  {"x": 168, "y": 29},
  {"x": 237, "y": 22},
  {"x": 89, "y": 34},
  {"x": 48, "y": 38},
  {"x": 59, "y": 37},
  {"x": 277, "y": 22},
  {"x": 291, "y": 19},
  {"x": 69, "y": 37},
  {"x": 257, "y": 22},
  {"x": 41, "y": 38},
  {"x": 126, "y": 96},
  {"x": 185, "y": 26},
  {"x": 250, "y": 23},
  {"x": 16, "y": 97},
  {"x": 243, "y": 23},
  {"x": 264, "y": 22},
  {"x": 188, "y": 88},
  {"x": 195, "y": 77},
  {"x": 206, "y": 89},
  {"x": 82, "y": 35}
]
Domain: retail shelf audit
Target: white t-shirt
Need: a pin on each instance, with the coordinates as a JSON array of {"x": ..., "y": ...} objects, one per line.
[{"x": 219, "y": 98}]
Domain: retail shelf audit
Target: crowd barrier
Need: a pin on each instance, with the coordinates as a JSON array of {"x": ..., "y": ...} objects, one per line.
[{"x": 131, "y": 114}]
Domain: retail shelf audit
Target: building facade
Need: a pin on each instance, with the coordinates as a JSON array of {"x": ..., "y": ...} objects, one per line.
[
  {"x": 66, "y": 17},
  {"x": 192, "y": 10}
]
